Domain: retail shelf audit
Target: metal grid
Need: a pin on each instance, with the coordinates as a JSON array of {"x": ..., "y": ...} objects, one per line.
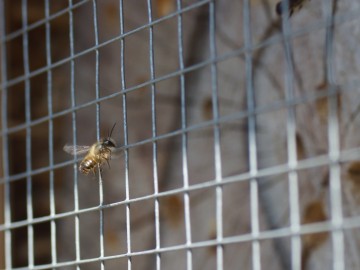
[{"x": 336, "y": 225}]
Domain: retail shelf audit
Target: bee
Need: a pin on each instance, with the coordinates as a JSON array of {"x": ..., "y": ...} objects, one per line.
[
  {"x": 95, "y": 155},
  {"x": 293, "y": 5}
]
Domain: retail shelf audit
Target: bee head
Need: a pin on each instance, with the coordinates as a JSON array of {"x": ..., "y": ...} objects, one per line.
[{"x": 108, "y": 142}]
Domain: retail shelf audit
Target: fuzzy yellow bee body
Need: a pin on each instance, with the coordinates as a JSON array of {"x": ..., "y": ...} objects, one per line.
[{"x": 95, "y": 155}]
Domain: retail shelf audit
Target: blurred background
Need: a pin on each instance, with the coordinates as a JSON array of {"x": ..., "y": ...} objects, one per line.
[{"x": 58, "y": 73}]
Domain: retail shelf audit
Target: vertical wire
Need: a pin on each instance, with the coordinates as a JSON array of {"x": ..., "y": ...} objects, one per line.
[
  {"x": 126, "y": 151},
  {"x": 334, "y": 142},
  {"x": 217, "y": 146},
  {"x": 252, "y": 147},
  {"x": 184, "y": 141},
  {"x": 73, "y": 115},
  {"x": 51, "y": 135},
  {"x": 291, "y": 147},
  {"x": 97, "y": 96},
  {"x": 154, "y": 134},
  {"x": 29, "y": 206},
  {"x": 5, "y": 139},
  {"x": 97, "y": 66}
]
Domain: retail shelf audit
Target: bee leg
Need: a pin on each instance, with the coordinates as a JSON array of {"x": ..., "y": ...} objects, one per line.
[{"x": 107, "y": 161}]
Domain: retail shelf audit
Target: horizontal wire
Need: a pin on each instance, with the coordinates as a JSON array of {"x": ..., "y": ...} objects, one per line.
[
  {"x": 36, "y": 24},
  {"x": 322, "y": 160},
  {"x": 271, "y": 41},
  {"x": 318, "y": 227},
  {"x": 314, "y": 162},
  {"x": 318, "y": 25},
  {"x": 221, "y": 120},
  {"x": 100, "y": 45}
]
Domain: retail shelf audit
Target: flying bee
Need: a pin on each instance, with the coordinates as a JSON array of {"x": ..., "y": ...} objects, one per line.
[
  {"x": 95, "y": 155},
  {"x": 293, "y": 5}
]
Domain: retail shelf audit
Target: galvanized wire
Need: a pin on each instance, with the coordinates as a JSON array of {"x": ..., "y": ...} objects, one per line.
[
  {"x": 126, "y": 142},
  {"x": 252, "y": 142},
  {"x": 333, "y": 159},
  {"x": 184, "y": 140},
  {"x": 51, "y": 136},
  {"x": 5, "y": 141},
  {"x": 292, "y": 146},
  {"x": 29, "y": 205},
  {"x": 74, "y": 134},
  {"x": 154, "y": 133}
]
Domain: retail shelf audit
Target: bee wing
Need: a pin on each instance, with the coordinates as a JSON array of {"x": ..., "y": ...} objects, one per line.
[{"x": 76, "y": 149}]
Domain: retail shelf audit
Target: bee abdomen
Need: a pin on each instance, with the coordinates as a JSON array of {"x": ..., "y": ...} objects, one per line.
[{"x": 87, "y": 165}]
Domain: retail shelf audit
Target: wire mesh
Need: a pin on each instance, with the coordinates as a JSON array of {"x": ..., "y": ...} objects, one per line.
[{"x": 233, "y": 153}]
